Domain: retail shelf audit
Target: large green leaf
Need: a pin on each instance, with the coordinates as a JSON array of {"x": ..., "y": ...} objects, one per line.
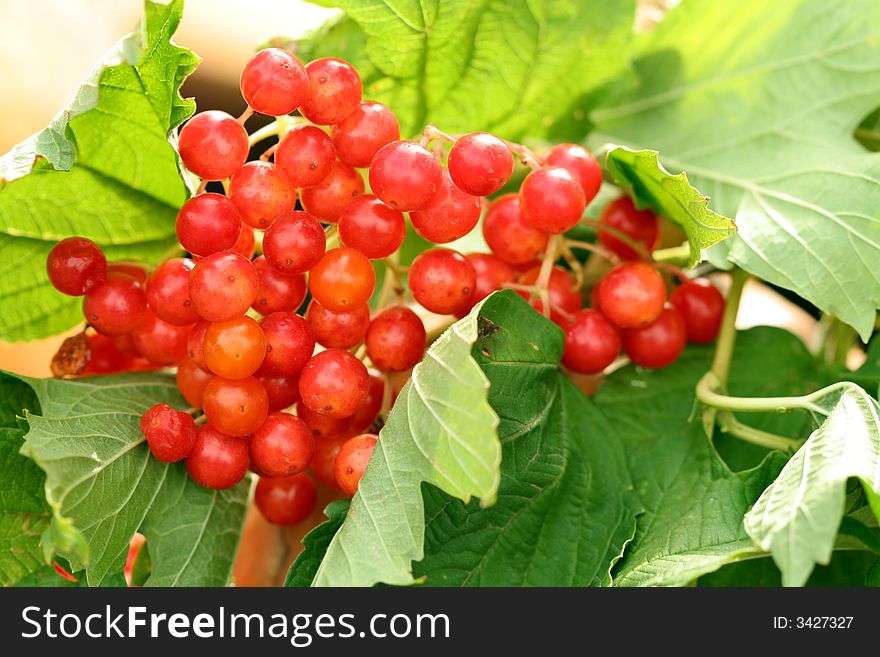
[
  {"x": 103, "y": 484},
  {"x": 108, "y": 173},
  {"x": 761, "y": 114},
  {"x": 850, "y": 569},
  {"x": 315, "y": 544}
]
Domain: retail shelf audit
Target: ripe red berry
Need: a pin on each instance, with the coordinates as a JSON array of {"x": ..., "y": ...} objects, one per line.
[
  {"x": 367, "y": 129},
  {"x": 277, "y": 291},
  {"x": 274, "y": 82},
  {"x": 480, "y": 163},
  {"x": 442, "y": 281},
  {"x": 405, "y": 175},
  {"x": 701, "y": 306},
  {"x": 236, "y": 348},
  {"x": 322, "y": 426},
  {"x": 170, "y": 434},
  {"x": 640, "y": 225},
  {"x": 580, "y": 163},
  {"x": 591, "y": 343},
  {"x": 342, "y": 330},
  {"x": 160, "y": 342},
  {"x": 282, "y": 446},
  {"x": 116, "y": 306},
  {"x": 327, "y": 199},
  {"x": 222, "y": 286},
  {"x": 133, "y": 269},
  {"x": 371, "y": 227},
  {"x": 658, "y": 344},
  {"x": 192, "y": 381},
  {"x": 491, "y": 274},
  {"x": 334, "y": 91},
  {"x": 235, "y": 406},
  {"x": 106, "y": 357},
  {"x": 246, "y": 243},
  {"x": 213, "y": 145},
  {"x": 282, "y": 389},
  {"x": 562, "y": 287},
  {"x": 323, "y": 464},
  {"x": 352, "y": 460},
  {"x": 217, "y": 460},
  {"x": 305, "y": 156},
  {"x": 368, "y": 412},
  {"x": 551, "y": 200},
  {"x": 632, "y": 295},
  {"x": 208, "y": 223},
  {"x": 334, "y": 383},
  {"x": 508, "y": 236},
  {"x": 261, "y": 193},
  {"x": 342, "y": 280},
  {"x": 451, "y": 214},
  {"x": 76, "y": 265},
  {"x": 285, "y": 501},
  {"x": 168, "y": 292},
  {"x": 294, "y": 243},
  {"x": 195, "y": 343},
  {"x": 396, "y": 339},
  {"x": 290, "y": 342}
]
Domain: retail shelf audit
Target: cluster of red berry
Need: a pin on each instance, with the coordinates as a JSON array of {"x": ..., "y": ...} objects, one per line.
[{"x": 197, "y": 312}]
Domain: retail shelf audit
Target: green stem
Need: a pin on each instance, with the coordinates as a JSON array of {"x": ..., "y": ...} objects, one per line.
[
  {"x": 727, "y": 332},
  {"x": 729, "y": 424},
  {"x": 707, "y": 393},
  {"x": 674, "y": 255}
]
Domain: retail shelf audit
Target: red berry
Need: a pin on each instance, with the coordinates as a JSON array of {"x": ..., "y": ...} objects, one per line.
[
  {"x": 396, "y": 339},
  {"x": 580, "y": 163},
  {"x": 323, "y": 465},
  {"x": 491, "y": 274},
  {"x": 274, "y": 82},
  {"x": 342, "y": 280},
  {"x": 236, "y": 348},
  {"x": 352, "y": 460},
  {"x": 480, "y": 163},
  {"x": 294, "y": 243},
  {"x": 116, "y": 306},
  {"x": 285, "y": 501},
  {"x": 132, "y": 269},
  {"x": 217, "y": 460},
  {"x": 246, "y": 244},
  {"x": 106, "y": 357},
  {"x": 551, "y": 200},
  {"x": 342, "y": 330},
  {"x": 170, "y": 434},
  {"x": 76, "y": 265},
  {"x": 641, "y": 225},
  {"x": 195, "y": 344},
  {"x": 213, "y": 145},
  {"x": 277, "y": 291},
  {"x": 442, "y": 281},
  {"x": 160, "y": 342},
  {"x": 322, "y": 426},
  {"x": 261, "y": 193},
  {"x": 334, "y": 383},
  {"x": 235, "y": 406},
  {"x": 564, "y": 293},
  {"x": 208, "y": 223},
  {"x": 282, "y": 389},
  {"x": 168, "y": 292},
  {"x": 451, "y": 214},
  {"x": 222, "y": 286},
  {"x": 192, "y": 381},
  {"x": 701, "y": 306},
  {"x": 371, "y": 227},
  {"x": 282, "y": 446},
  {"x": 334, "y": 91},
  {"x": 658, "y": 344},
  {"x": 329, "y": 198},
  {"x": 290, "y": 342},
  {"x": 591, "y": 343},
  {"x": 363, "y": 132},
  {"x": 632, "y": 295},
  {"x": 305, "y": 156},
  {"x": 507, "y": 234},
  {"x": 365, "y": 415},
  {"x": 405, "y": 175}
]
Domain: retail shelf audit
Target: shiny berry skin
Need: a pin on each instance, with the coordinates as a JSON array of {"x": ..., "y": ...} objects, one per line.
[
  {"x": 352, "y": 460},
  {"x": 658, "y": 344},
  {"x": 285, "y": 501},
  {"x": 160, "y": 342},
  {"x": 106, "y": 357},
  {"x": 396, "y": 339},
  {"x": 491, "y": 274},
  {"x": 274, "y": 82},
  {"x": 192, "y": 381},
  {"x": 323, "y": 464},
  {"x": 76, "y": 265},
  {"x": 235, "y": 406},
  {"x": 371, "y": 227},
  {"x": 195, "y": 344},
  {"x": 235, "y": 349},
  {"x": 551, "y": 200},
  {"x": 213, "y": 145},
  {"x": 342, "y": 280},
  {"x": 116, "y": 306},
  {"x": 509, "y": 236},
  {"x": 632, "y": 295},
  {"x": 305, "y": 156},
  {"x": 335, "y": 91},
  {"x": 580, "y": 163},
  {"x": 591, "y": 343},
  {"x": 701, "y": 306},
  {"x": 168, "y": 292},
  {"x": 282, "y": 389},
  {"x": 327, "y": 199},
  {"x": 170, "y": 434},
  {"x": 363, "y": 132},
  {"x": 208, "y": 223},
  {"x": 442, "y": 281},
  {"x": 322, "y": 426},
  {"x": 222, "y": 286},
  {"x": 405, "y": 175},
  {"x": 564, "y": 293},
  {"x": 480, "y": 163},
  {"x": 368, "y": 412},
  {"x": 282, "y": 446},
  {"x": 449, "y": 215},
  {"x": 277, "y": 291},
  {"x": 261, "y": 193},
  {"x": 246, "y": 244},
  {"x": 641, "y": 225},
  {"x": 217, "y": 460},
  {"x": 294, "y": 243},
  {"x": 132, "y": 269},
  {"x": 334, "y": 383},
  {"x": 290, "y": 342},
  {"x": 342, "y": 330}
]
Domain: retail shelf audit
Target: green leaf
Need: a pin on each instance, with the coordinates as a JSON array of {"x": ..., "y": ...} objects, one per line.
[
  {"x": 315, "y": 544},
  {"x": 761, "y": 114},
  {"x": 847, "y": 569},
  {"x": 103, "y": 484},
  {"x": 538, "y": 62},
  {"x": 108, "y": 173},
  {"x": 670, "y": 196},
  {"x": 797, "y": 518}
]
